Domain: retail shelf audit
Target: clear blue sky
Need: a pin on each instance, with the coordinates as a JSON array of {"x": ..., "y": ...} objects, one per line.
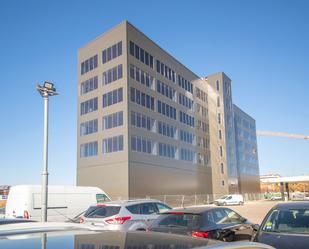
[{"x": 262, "y": 45}]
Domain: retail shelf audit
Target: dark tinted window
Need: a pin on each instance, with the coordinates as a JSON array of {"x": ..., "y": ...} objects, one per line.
[
  {"x": 148, "y": 208},
  {"x": 134, "y": 209},
  {"x": 184, "y": 220},
  {"x": 102, "y": 211}
]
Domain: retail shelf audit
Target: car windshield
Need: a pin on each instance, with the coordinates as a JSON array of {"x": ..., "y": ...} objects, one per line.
[
  {"x": 223, "y": 197},
  {"x": 289, "y": 221},
  {"x": 102, "y": 211}
]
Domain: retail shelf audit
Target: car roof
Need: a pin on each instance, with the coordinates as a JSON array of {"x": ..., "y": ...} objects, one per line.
[
  {"x": 95, "y": 238},
  {"x": 193, "y": 210},
  {"x": 292, "y": 205},
  {"x": 125, "y": 202}
]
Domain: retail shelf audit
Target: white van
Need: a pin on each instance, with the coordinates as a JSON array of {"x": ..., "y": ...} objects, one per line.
[
  {"x": 230, "y": 200},
  {"x": 64, "y": 202}
]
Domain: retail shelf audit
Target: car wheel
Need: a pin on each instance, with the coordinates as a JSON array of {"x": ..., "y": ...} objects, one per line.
[
  {"x": 224, "y": 203},
  {"x": 141, "y": 229},
  {"x": 241, "y": 203}
]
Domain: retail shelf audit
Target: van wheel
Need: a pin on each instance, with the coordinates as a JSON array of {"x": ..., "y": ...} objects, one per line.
[
  {"x": 224, "y": 204},
  {"x": 241, "y": 203}
]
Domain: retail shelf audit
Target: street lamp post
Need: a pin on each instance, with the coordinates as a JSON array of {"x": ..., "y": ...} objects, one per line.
[{"x": 46, "y": 90}]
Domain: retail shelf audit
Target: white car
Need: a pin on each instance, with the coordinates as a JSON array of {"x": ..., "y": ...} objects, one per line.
[
  {"x": 130, "y": 215},
  {"x": 230, "y": 200}
]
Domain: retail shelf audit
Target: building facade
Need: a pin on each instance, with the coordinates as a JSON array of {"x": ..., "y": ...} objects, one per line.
[
  {"x": 147, "y": 125},
  {"x": 247, "y": 152}
]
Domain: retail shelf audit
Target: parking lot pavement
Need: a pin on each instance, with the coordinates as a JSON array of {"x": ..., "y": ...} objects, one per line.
[{"x": 254, "y": 211}]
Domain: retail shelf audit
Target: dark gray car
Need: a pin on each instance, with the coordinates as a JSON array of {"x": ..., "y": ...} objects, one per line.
[
  {"x": 286, "y": 226},
  {"x": 207, "y": 222}
]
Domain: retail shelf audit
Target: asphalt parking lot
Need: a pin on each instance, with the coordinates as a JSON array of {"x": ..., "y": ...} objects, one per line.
[{"x": 255, "y": 211}]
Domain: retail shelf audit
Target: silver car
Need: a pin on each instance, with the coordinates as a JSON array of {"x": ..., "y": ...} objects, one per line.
[{"x": 130, "y": 215}]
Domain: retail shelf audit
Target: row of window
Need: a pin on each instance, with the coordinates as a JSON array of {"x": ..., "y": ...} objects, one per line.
[
  {"x": 89, "y": 106},
  {"x": 185, "y": 84},
  {"x": 185, "y": 101},
  {"x": 166, "y": 110},
  {"x": 202, "y": 159},
  {"x": 89, "y": 64},
  {"x": 113, "y": 144},
  {"x": 89, "y": 149},
  {"x": 89, "y": 85},
  {"x": 112, "y": 52},
  {"x": 203, "y": 111},
  {"x": 166, "y": 71},
  {"x": 166, "y": 90},
  {"x": 112, "y": 97},
  {"x": 113, "y": 120},
  {"x": 203, "y": 142},
  {"x": 141, "y": 144},
  {"x": 142, "y": 121},
  {"x": 142, "y": 99},
  {"x": 112, "y": 74},
  {"x": 141, "y": 76},
  {"x": 167, "y": 129},
  {"x": 202, "y": 126},
  {"x": 186, "y": 119},
  {"x": 141, "y": 54},
  {"x": 88, "y": 127},
  {"x": 167, "y": 150},
  {"x": 187, "y": 155},
  {"x": 200, "y": 94},
  {"x": 187, "y": 137}
]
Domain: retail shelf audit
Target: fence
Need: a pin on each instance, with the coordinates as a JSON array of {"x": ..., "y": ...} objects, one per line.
[{"x": 194, "y": 200}]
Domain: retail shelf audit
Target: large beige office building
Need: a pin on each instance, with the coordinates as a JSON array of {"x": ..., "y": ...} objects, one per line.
[{"x": 147, "y": 125}]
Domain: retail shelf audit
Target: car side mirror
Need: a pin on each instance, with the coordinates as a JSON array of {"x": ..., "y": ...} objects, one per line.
[
  {"x": 243, "y": 220},
  {"x": 256, "y": 227}
]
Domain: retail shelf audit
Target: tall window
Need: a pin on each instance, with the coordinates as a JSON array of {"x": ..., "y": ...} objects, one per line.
[
  {"x": 141, "y": 54},
  {"x": 89, "y": 64},
  {"x": 89, "y": 106},
  {"x": 113, "y": 120},
  {"x": 166, "y": 110},
  {"x": 89, "y": 85},
  {"x": 185, "y": 84},
  {"x": 113, "y": 144},
  {"x": 141, "y": 144},
  {"x": 88, "y": 127},
  {"x": 89, "y": 149},
  {"x": 166, "y": 129},
  {"x": 142, "y": 121},
  {"x": 141, "y": 76},
  {"x": 112, "y": 52},
  {"x": 167, "y": 150},
  {"x": 112, "y": 97},
  {"x": 217, "y": 85},
  {"x": 141, "y": 98},
  {"x": 112, "y": 75}
]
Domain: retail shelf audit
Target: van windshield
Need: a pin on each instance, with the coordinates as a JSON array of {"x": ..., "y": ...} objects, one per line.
[
  {"x": 224, "y": 197},
  {"x": 102, "y": 198}
]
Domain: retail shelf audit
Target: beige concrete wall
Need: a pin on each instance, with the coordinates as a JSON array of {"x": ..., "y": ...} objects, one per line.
[
  {"x": 107, "y": 171},
  {"x": 152, "y": 174}
]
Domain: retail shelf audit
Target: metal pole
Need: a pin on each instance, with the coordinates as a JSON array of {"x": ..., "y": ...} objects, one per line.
[{"x": 45, "y": 160}]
